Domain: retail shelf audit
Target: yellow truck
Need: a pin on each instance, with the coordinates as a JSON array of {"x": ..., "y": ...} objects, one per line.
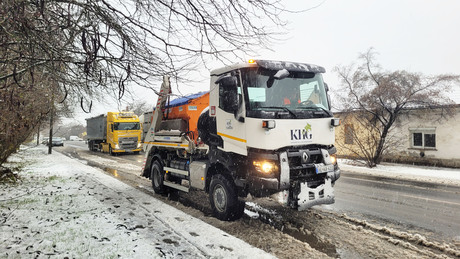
[{"x": 114, "y": 132}]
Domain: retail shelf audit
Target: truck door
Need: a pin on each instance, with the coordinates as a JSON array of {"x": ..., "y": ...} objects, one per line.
[{"x": 230, "y": 115}]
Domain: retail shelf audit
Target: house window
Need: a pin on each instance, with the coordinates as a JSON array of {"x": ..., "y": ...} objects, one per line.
[
  {"x": 349, "y": 132},
  {"x": 424, "y": 138}
]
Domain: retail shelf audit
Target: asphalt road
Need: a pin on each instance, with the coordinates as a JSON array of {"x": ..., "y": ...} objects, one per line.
[
  {"x": 409, "y": 204},
  {"x": 405, "y": 205}
]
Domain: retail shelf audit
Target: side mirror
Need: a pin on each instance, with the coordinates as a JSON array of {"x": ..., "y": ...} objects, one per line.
[
  {"x": 281, "y": 74},
  {"x": 228, "y": 88},
  {"x": 232, "y": 101},
  {"x": 227, "y": 81}
]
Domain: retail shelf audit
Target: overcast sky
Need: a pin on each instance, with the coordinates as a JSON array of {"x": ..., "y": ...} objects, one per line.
[{"x": 418, "y": 36}]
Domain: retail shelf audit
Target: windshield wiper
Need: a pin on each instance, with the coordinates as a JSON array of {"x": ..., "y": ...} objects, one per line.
[
  {"x": 316, "y": 108},
  {"x": 282, "y": 108}
]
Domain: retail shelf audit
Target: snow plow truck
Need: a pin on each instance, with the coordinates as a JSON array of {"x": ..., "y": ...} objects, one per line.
[{"x": 264, "y": 129}]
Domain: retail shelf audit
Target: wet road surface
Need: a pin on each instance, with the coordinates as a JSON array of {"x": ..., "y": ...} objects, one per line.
[
  {"x": 405, "y": 205},
  {"x": 410, "y": 204}
]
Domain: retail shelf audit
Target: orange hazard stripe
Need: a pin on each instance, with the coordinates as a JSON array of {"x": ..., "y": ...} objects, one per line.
[{"x": 231, "y": 137}]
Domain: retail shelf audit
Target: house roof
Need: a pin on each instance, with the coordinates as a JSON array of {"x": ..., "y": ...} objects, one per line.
[{"x": 456, "y": 105}]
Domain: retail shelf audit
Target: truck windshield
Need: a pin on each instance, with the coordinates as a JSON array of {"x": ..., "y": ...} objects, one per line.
[
  {"x": 299, "y": 95},
  {"x": 126, "y": 126}
]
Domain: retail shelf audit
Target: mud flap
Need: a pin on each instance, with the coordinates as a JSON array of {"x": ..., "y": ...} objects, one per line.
[{"x": 308, "y": 197}]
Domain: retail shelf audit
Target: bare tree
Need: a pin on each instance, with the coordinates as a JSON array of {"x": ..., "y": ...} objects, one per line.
[
  {"x": 374, "y": 99},
  {"x": 94, "y": 46},
  {"x": 138, "y": 107},
  {"x": 102, "y": 47},
  {"x": 23, "y": 108}
]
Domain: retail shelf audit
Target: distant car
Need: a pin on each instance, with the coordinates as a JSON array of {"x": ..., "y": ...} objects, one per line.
[
  {"x": 57, "y": 142},
  {"x": 75, "y": 138}
]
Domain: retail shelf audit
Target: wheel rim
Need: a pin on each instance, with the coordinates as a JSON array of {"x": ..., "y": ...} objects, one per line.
[
  {"x": 156, "y": 177},
  {"x": 220, "y": 198}
]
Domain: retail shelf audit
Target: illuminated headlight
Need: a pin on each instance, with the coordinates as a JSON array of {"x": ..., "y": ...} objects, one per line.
[
  {"x": 117, "y": 146},
  {"x": 266, "y": 167},
  {"x": 334, "y": 159},
  {"x": 139, "y": 145}
]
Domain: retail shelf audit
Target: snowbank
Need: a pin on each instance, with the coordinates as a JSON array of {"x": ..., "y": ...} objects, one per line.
[
  {"x": 65, "y": 208},
  {"x": 417, "y": 173}
]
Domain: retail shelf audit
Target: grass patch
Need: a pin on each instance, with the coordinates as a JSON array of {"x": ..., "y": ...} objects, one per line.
[
  {"x": 54, "y": 178},
  {"x": 18, "y": 203}
]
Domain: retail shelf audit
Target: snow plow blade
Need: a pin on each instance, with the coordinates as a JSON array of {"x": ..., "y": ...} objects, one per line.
[{"x": 308, "y": 197}]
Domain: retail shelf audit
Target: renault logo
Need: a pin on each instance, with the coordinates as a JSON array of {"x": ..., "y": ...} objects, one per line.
[{"x": 304, "y": 157}]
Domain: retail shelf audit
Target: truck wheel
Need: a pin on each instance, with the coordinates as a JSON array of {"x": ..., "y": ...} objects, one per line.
[
  {"x": 157, "y": 176},
  {"x": 224, "y": 199},
  {"x": 110, "y": 150}
]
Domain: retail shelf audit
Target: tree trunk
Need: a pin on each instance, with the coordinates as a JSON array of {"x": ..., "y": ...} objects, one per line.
[
  {"x": 38, "y": 134},
  {"x": 50, "y": 140},
  {"x": 379, "y": 151}
]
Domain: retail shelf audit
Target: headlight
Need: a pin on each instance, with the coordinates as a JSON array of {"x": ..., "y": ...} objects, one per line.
[
  {"x": 266, "y": 167},
  {"x": 117, "y": 146},
  {"x": 139, "y": 145},
  {"x": 334, "y": 159}
]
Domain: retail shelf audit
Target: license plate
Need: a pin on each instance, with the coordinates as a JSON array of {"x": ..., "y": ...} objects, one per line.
[{"x": 322, "y": 168}]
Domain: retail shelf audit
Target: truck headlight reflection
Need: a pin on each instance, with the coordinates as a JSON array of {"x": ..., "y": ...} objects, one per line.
[{"x": 266, "y": 167}]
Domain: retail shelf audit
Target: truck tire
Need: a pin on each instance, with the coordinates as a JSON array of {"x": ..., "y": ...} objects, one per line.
[
  {"x": 157, "y": 176},
  {"x": 110, "y": 150},
  {"x": 224, "y": 199}
]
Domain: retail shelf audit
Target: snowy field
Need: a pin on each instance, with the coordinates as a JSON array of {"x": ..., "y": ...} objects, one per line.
[{"x": 64, "y": 208}]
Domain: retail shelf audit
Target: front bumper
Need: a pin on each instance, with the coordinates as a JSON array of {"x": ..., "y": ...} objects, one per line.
[{"x": 298, "y": 186}]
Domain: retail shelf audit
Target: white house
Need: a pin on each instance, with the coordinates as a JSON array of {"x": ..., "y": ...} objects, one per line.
[{"x": 420, "y": 136}]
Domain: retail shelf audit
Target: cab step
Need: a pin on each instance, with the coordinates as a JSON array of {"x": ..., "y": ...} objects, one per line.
[{"x": 176, "y": 186}]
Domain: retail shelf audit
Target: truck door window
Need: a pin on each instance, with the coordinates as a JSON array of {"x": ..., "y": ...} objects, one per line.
[{"x": 228, "y": 96}]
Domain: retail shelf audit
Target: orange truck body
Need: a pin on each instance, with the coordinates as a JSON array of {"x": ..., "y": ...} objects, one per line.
[{"x": 188, "y": 108}]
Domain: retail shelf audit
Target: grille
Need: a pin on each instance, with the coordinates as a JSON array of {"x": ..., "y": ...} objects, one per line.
[
  {"x": 128, "y": 142},
  {"x": 303, "y": 171}
]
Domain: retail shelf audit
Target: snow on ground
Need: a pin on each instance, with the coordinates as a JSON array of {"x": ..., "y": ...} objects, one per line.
[
  {"x": 418, "y": 173},
  {"x": 64, "y": 208}
]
